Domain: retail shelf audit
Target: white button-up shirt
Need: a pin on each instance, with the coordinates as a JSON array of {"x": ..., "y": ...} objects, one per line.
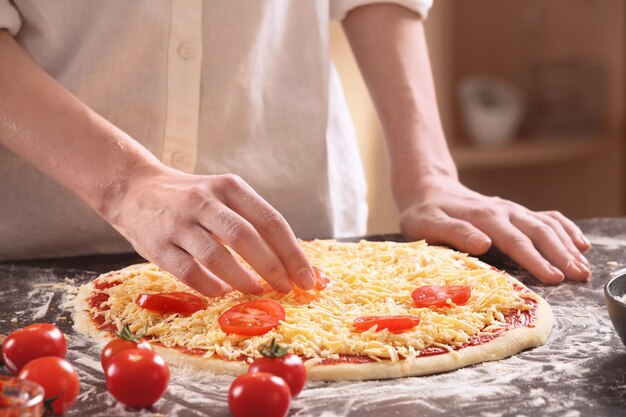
[{"x": 221, "y": 86}]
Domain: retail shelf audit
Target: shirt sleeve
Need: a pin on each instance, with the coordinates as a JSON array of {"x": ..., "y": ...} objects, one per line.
[
  {"x": 9, "y": 17},
  {"x": 340, "y": 8}
]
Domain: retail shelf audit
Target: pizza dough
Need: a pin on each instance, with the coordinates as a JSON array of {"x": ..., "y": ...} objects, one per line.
[{"x": 501, "y": 318}]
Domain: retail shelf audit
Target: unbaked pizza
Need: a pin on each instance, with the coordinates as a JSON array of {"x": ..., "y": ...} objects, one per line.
[{"x": 379, "y": 310}]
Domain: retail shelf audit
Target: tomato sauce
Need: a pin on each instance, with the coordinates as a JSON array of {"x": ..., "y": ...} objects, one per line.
[
  {"x": 103, "y": 285},
  {"x": 347, "y": 359},
  {"x": 188, "y": 351},
  {"x": 97, "y": 301}
]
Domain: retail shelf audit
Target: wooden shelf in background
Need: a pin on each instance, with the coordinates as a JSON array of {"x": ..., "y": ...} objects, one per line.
[{"x": 525, "y": 152}]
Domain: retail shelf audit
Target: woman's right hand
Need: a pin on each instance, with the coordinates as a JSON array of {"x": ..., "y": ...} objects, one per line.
[
  {"x": 182, "y": 223},
  {"x": 179, "y": 221}
]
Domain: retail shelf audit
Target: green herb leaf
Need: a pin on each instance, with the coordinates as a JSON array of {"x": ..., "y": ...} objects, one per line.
[{"x": 274, "y": 350}]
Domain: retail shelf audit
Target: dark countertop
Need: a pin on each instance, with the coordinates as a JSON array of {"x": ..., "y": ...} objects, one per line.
[{"x": 581, "y": 371}]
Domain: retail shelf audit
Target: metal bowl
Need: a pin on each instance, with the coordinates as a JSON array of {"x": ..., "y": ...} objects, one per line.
[{"x": 614, "y": 291}]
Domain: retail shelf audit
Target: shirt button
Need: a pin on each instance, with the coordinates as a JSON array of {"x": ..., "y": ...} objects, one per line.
[
  {"x": 186, "y": 50},
  {"x": 179, "y": 159}
]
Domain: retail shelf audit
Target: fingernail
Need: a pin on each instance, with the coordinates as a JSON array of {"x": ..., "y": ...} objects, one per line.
[
  {"x": 257, "y": 289},
  {"x": 584, "y": 239},
  {"x": 582, "y": 259},
  {"x": 573, "y": 266},
  {"x": 284, "y": 284},
  {"x": 478, "y": 241},
  {"x": 584, "y": 268},
  {"x": 306, "y": 281},
  {"x": 557, "y": 272},
  {"x": 226, "y": 289}
]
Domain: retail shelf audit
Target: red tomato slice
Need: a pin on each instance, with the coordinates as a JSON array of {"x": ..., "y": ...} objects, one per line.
[
  {"x": 395, "y": 324},
  {"x": 252, "y": 318},
  {"x": 437, "y": 295},
  {"x": 321, "y": 279},
  {"x": 171, "y": 302}
]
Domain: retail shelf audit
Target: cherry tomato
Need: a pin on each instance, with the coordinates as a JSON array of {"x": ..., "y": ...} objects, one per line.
[
  {"x": 252, "y": 318},
  {"x": 137, "y": 378},
  {"x": 58, "y": 379},
  {"x": 31, "y": 342},
  {"x": 259, "y": 394},
  {"x": 171, "y": 302},
  {"x": 395, "y": 324},
  {"x": 321, "y": 279},
  {"x": 437, "y": 295},
  {"x": 277, "y": 361},
  {"x": 125, "y": 340}
]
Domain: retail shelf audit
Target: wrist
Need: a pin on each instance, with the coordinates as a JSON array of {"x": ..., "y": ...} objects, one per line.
[{"x": 119, "y": 184}]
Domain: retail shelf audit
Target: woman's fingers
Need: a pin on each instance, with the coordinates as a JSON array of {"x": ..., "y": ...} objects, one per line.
[
  {"x": 517, "y": 245},
  {"x": 184, "y": 223},
  {"x": 578, "y": 237},
  {"x": 184, "y": 267},
  {"x": 551, "y": 246},
  {"x": 562, "y": 234},
  {"x": 236, "y": 232},
  {"x": 547, "y": 244},
  {"x": 272, "y": 228},
  {"x": 218, "y": 260}
]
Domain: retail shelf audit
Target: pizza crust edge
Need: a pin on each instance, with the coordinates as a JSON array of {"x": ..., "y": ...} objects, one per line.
[{"x": 508, "y": 344}]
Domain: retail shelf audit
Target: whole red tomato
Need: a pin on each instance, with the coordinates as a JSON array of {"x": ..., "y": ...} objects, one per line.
[
  {"x": 58, "y": 379},
  {"x": 277, "y": 361},
  {"x": 137, "y": 378},
  {"x": 31, "y": 342},
  {"x": 259, "y": 394},
  {"x": 125, "y": 340}
]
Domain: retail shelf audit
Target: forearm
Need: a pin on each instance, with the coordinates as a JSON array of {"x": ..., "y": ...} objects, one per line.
[
  {"x": 179, "y": 221},
  {"x": 389, "y": 45},
  {"x": 388, "y": 42},
  {"x": 46, "y": 125}
]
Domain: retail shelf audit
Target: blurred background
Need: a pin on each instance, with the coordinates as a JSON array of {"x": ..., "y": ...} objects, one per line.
[{"x": 531, "y": 94}]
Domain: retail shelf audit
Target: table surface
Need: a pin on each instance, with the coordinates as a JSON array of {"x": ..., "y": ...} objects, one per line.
[{"x": 581, "y": 371}]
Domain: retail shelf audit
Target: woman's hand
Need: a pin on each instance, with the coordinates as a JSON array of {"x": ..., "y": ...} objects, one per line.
[
  {"x": 390, "y": 47},
  {"x": 546, "y": 243},
  {"x": 179, "y": 221},
  {"x": 183, "y": 222}
]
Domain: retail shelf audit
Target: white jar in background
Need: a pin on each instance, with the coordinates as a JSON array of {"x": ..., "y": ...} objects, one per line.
[{"x": 492, "y": 110}]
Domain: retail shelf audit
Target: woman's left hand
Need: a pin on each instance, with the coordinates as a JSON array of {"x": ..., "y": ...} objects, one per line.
[{"x": 546, "y": 243}]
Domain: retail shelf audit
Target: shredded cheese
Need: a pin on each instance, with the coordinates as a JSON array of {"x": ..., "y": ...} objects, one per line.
[{"x": 367, "y": 279}]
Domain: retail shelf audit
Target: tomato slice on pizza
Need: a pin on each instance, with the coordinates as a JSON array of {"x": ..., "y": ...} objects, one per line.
[
  {"x": 395, "y": 324},
  {"x": 438, "y": 295},
  {"x": 252, "y": 318},
  {"x": 321, "y": 279},
  {"x": 172, "y": 302}
]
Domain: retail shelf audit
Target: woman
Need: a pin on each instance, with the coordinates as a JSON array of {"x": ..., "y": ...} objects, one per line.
[{"x": 184, "y": 126}]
